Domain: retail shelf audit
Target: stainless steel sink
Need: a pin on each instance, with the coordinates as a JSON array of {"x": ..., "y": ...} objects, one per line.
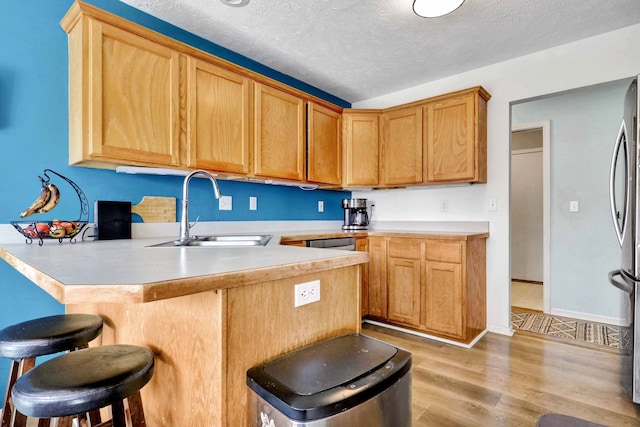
[{"x": 217, "y": 241}]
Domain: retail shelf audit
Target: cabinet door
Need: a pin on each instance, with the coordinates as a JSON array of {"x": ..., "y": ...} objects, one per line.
[
  {"x": 444, "y": 303},
  {"x": 403, "y": 146},
  {"x": 219, "y": 118},
  {"x": 377, "y": 278},
  {"x": 361, "y": 148},
  {"x": 132, "y": 109},
  {"x": 450, "y": 136},
  {"x": 324, "y": 153},
  {"x": 404, "y": 291},
  {"x": 362, "y": 245},
  {"x": 279, "y": 145},
  {"x": 404, "y": 280}
]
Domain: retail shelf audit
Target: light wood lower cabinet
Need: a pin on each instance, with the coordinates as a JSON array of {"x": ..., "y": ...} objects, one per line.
[
  {"x": 433, "y": 286},
  {"x": 377, "y": 277},
  {"x": 404, "y": 281},
  {"x": 362, "y": 245},
  {"x": 204, "y": 343}
]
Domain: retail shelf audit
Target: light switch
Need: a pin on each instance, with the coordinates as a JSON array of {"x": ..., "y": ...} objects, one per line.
[{"x": 573, "y": 206}]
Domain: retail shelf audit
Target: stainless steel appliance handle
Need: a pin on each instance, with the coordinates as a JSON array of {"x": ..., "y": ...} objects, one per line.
[
  {"x": 615, "y": 278},
  {"x": 612, "y": 200}
]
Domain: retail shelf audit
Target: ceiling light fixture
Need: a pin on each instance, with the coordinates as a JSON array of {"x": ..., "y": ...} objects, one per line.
[
  {"x": 435, "y": 8},
  {"x": 235, "y": 3}
]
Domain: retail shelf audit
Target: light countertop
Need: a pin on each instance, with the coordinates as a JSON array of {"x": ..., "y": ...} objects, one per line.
[{"x": 129, "y": 271}]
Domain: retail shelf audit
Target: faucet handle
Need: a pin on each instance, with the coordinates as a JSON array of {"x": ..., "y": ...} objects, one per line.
[{"x": 194, "y": 223}]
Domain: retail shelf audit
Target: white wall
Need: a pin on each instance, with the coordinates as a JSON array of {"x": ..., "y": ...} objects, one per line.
[{"x": 607, "y": 57}]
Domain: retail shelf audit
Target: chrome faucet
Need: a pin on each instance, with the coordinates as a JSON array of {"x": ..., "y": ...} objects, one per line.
[{"x": 184, "y": 221}]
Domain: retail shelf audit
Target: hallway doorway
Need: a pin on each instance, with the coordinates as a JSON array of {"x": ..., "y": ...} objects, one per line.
[{"x": 530, "y": 216}]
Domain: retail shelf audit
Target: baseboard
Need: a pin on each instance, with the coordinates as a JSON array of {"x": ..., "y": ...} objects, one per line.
[
  {"x": 589, "y": 317},
  {"x": 431, "y": 337},
  {"x": 501, "y": 330}
]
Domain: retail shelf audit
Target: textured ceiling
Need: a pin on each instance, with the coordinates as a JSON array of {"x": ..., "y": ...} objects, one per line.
[{"x": 360, "y": 49}]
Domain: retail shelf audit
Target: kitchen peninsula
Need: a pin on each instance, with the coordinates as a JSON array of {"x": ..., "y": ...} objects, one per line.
[{"x": 207, "y": 314}]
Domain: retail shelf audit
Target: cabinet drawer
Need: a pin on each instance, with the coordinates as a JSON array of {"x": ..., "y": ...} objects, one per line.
[
  {"x": 446, "y": 252},
  {"x": 404, "y": 248}
]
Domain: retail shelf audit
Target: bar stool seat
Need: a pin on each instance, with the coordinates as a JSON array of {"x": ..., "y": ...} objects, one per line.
[
  {"x": 86, "y": 380},
  {"x": 48, "y": 335},
  {"x": 25, "y": 341}
]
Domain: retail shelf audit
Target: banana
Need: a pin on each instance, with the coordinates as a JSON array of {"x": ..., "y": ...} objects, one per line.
[
  {"x": 54, "y": 198},
  {"x": 42, "y": 200}
]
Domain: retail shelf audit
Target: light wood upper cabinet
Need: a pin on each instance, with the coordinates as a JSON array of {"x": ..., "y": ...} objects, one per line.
[
  {"x": 279, "y": 134},
  {"x": 124, "y": 98},
  {"x": 402, "y": 146},
  {"x": 455, "y": 137},
  {"x": 361, "y": 142},
  {"x": 219, "y": 118},
  {"x": 324, "y": 145}
]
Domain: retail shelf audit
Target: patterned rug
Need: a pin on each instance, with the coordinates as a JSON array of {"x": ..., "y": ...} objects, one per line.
[{"x": 564, "y": 327}]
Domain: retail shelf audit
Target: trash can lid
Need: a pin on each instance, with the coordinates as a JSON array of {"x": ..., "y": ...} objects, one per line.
[
  {"x": 329, "y": 376},
  {"x": 329, "y": 363}
]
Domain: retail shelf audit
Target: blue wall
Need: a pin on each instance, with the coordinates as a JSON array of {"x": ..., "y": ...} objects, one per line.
[{"x": 34, "y": 136}]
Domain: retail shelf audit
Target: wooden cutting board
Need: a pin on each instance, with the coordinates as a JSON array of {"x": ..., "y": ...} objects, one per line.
[{"x": 156, "y": 209}]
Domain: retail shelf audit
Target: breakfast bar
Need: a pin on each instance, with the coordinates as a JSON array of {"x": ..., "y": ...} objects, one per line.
[{"x": 207, "y": 314}]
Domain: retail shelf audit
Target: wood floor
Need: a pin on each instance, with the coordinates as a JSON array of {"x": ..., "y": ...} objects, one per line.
[{"x": 510, "y": 381}]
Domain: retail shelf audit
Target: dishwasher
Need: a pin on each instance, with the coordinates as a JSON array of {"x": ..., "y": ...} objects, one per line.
[{"x": 342, "y": 243}]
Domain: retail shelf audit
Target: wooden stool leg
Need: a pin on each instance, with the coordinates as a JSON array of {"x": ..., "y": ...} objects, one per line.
[
  {"x": 11, "y": 417},
  {"x": 44, "y": 422},
  {"x": 6, "y": 406},
  {"x": 118, "y": 416},
  {"x": 62, "y": 422},
  {"x": 136, "y": 412},
  {"x": 94, "y": 417}
]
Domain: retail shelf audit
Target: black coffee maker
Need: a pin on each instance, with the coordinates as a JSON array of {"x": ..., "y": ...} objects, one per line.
[{"x": 356, "y": 216}]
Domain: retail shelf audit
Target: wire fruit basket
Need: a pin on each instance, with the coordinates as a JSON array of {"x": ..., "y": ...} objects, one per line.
[{"x": 55, "y": 229}]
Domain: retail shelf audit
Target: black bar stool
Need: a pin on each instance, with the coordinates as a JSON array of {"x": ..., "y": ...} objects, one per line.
[
  {"x": 25, "y": 341},
  {"x": 76, "y": 383}
]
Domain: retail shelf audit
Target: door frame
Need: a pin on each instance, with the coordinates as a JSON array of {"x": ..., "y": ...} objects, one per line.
[{"x": 545, "y": 126}]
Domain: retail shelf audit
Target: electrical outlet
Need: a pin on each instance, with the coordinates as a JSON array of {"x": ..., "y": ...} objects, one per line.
[
  {"x": 306, "y": 293},
  {"x": 444, "y": 205},
  {"x": 225, "y": 203},
  {"x": 320, "y": 206},
  {"x": 253, "y": 203}
]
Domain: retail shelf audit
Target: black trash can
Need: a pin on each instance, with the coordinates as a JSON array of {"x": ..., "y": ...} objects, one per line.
[{"x": 351, "y": 380}]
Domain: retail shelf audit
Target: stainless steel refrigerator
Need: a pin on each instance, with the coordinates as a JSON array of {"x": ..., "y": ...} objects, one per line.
[{"x": 625, "y": 209}]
